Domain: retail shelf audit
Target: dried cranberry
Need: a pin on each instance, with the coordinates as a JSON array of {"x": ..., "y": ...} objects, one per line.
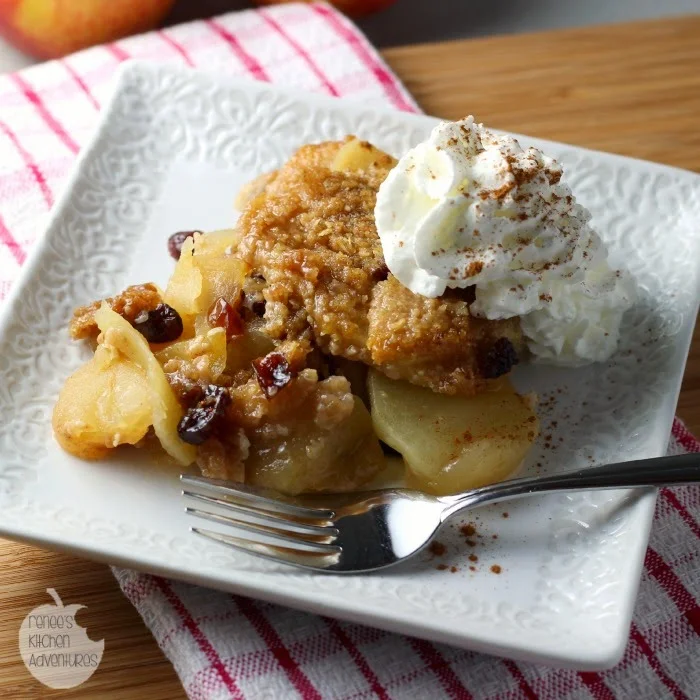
[
  {"x": 254, "y": 304},
  {"x": 499, "y": 359},
  {"x": 176, "y": 241},
  {"x": 160, "y": 325},
  {"x": 273, "y": 373},
  {"x": 191, "y": 394},
  {"x": 253, "y": 299},
  {"x": 380, "y": 273},
  {"x": 223, "y": 315},
  {"x": 200, "y": 421}
]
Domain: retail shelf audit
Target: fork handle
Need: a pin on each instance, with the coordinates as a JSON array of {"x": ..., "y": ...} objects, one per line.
[{"x": 655, "y": 471}]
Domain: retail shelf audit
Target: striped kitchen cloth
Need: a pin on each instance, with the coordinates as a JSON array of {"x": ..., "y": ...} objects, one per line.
[{"x": 225, "y": 646}]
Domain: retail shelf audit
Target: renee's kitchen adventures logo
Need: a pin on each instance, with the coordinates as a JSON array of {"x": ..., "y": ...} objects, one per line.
[{"x": 54, "y": 648}]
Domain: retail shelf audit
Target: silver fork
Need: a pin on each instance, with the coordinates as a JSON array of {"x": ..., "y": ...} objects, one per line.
[{"x": 350, "y": 533}]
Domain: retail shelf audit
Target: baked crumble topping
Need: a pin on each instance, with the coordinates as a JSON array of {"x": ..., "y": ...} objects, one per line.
[
  {"x": 273, "y": 341},
  {"x": 129, "y": 304},
  {"x": 311, "y": 242}
]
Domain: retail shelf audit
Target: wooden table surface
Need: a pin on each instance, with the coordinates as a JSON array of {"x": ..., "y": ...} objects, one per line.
[{"x": 632, "y": 89}]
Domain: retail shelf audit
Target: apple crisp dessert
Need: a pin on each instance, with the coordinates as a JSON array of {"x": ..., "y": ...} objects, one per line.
[{"x": 283, "y": 352}]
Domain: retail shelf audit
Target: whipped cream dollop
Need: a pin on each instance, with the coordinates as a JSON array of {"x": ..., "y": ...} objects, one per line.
[{"x": 469, "y": 207}]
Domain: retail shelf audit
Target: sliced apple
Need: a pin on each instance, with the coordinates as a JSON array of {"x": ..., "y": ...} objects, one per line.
[
  {"x": 205, "y": 272},
  {"x": 310, "y": 459},
  {"x": 222, "y": 272},
  {"x": 452, "y": 443},
  {"x": 185, "y": 285},
  {"x": 102, "y": 405},
  {"x": 243, "y": 349},
  {"x": 211, "y": 345},
  {"x": 166, "y": 411},
  {"x": 356, "y": 154},
  {"x": 223, "y": 242}
]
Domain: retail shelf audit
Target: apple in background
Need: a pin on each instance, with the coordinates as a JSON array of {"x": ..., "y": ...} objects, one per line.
[
  {"x": 352, "y": 8},
  {"x": 53, "y": 28}
]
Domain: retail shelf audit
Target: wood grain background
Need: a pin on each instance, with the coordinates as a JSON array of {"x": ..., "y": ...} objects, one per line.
[{"x": 632, "y": 89}]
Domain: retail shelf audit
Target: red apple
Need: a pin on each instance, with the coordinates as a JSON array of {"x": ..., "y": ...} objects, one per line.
[
  {"x": 352, "y": 8},
  {"x": 53, "y": 28}
]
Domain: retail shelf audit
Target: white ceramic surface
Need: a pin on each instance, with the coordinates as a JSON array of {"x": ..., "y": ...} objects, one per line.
[{"x": 172, "y": 148}]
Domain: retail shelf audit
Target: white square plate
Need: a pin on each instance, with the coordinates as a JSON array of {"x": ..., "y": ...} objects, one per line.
[{"x": 172, "y": 149}]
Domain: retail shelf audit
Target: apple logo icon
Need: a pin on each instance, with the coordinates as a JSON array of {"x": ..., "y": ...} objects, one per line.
[{"x": 54, "y": 648}]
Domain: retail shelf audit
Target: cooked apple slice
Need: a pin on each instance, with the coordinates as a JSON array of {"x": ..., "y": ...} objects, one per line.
[
  {"x": 185, "y": 285},
  {"x": 211, "y": 346},
  {"x": 102, "y": 405},
  {"x": 205, "y": 272},
  {"x": 356, "y": 154},
  {"x": 243, "y": 349},
  {"x": 166, "y": 411},
  {"x": 308, "y": 458},
  {"x": 223, "y": 242},
  {"x": 453, "y": 443},
  {"x": 222, "y": 278}
]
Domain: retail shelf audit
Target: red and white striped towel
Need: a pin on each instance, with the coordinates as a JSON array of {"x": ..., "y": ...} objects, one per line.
[{"x": 225, "y": 646}]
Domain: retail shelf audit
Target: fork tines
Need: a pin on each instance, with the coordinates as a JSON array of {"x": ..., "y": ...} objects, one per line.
[{"x": 259, "y": 524}]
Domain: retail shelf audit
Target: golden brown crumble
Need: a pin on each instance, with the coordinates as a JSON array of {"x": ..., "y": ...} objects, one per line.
[
  {"x": 434, "y": 343},
  {"x": 129, "y": 304},
  {"x": 224, "y": 459},
  {"x": 310, "y": 239}
]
